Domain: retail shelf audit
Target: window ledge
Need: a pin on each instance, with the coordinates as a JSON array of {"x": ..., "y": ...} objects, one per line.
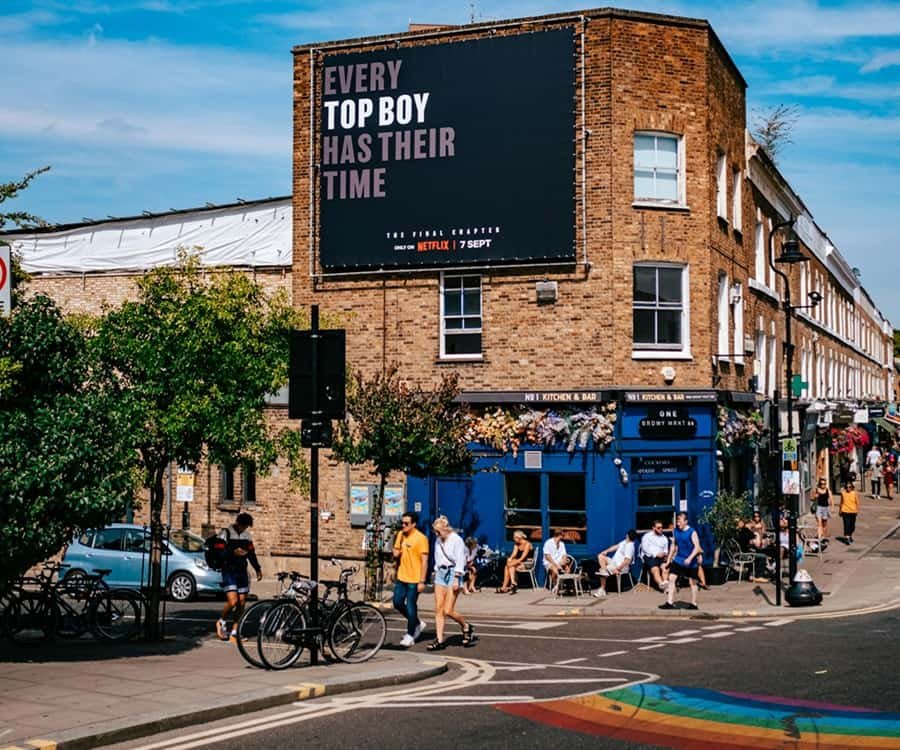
[
  {"x": 461, "y": 360},
  {"x": 660, "y": 354},
  {"x": 763, "y": 288},
  {"x": 660, "y": 205}
]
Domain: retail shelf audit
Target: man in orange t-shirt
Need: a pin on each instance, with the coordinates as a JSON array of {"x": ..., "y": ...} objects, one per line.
[{"x": 411, "y": 554}]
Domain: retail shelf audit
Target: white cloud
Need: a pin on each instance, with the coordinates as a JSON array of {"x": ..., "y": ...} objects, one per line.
[
  {"x": 828, "y": 87},
  {"x": 881, "y": 61}
]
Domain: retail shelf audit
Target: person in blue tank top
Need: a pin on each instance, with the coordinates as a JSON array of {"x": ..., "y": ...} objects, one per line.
[{"x": 684, "y": 560}]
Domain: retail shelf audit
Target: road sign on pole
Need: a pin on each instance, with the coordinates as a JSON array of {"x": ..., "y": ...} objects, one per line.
[{"x": 5, "y": 281}]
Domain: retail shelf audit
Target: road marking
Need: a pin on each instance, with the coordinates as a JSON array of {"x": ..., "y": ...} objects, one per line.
[
  {"x": 307, "y": 690},
  {"x": 777, "y": 623},
  {"x": 685, "y": 640},
  {"x": 42, "y": 744},
  {"x": 572, "y": 661},
  {"x": 531, "y": 625},
  {"x": 483, "y": 698},
  {"x": 515, "y": 669},
  {"x": 715, "y": 627},
  {"x": 720, "y": 634},
  {"x": 612, "y": 653},
  {"x": 749, "y": 628},
  {"x": 483, "y": 634},
  {"x": 557, "y": 682},
  {"x": 652, "y": 645},
  {"x": 679, "y": 633},
  {"x": 651, "y": 639}
]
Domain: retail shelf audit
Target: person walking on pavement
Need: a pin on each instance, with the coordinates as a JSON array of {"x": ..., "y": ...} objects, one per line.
[
  {"x": 849, "y": 511},
  {"x": 239, "y": 551},
  {"x": 449, "y": 572},
  {"x": 411, "y": 554},
  {"x": 873, "y": 467},
  {"x": 822, "y": 498},
  {"x": 890, "y": 467},
  {"x": 683, "y": 560}
]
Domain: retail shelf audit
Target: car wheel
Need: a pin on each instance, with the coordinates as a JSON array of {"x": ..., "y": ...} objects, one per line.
[{"x": 182, "y": 587}]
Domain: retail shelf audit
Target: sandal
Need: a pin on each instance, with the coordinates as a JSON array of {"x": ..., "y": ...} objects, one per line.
[
  {"x": 501, "y": 590},
  {"x": 436, "y": 645},
  {"x": 468, "y": 634},
  {"x": 514, "y": 589}
]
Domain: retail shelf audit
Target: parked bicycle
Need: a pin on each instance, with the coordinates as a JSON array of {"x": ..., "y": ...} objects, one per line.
[
  {"x": 40, "y": 608},
  {"x": 352, "y": 631},
  {"x": 292, "y": 585}
]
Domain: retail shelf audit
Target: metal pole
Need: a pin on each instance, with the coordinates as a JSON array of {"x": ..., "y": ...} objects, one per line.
[
  {"x": 314, "y": 488},
  {"x": 792, "y": 501},
  {"x": 775, "y": 464}
]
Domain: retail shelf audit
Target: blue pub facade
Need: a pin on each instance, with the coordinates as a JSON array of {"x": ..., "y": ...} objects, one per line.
[{"x": 660, "y": 459}]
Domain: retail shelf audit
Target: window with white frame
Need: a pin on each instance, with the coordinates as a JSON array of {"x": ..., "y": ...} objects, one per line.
[
  {"x": 772, "y": 362},
  {"x": 761, "y": 364},
  {"x": 723, "y": 349},
  {"x": 658, "y": 169},
  {"x": 660, "y": 308},
  {"x": 772, "y": 277},
  {"x": 737, "y": 213},
  {"x": 759, "y": 244},
  {"x": 721, "y": 189},
  {"x": 460, "y": 316},
  {"x": 737, "y": 305}
]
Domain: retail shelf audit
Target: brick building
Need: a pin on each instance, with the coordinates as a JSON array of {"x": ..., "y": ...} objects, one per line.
[
  {"x": 633, "y": 296},
  {"x": 662, "y": 311}
]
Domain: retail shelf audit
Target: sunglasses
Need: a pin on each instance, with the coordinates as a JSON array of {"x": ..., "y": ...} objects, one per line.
[{"x": 406, "y": 523}]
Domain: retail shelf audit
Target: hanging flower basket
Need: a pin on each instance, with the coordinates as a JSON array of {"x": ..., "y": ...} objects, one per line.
[
  {"x": 848, "y": 439},
  {"x": 506, "y": 429},
  {"x": 739, "y": 431}
]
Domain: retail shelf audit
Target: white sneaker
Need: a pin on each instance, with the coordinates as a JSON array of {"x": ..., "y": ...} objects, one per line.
[
  {"x": 418, "y": 631},
  {"x": 599, "y": 593},
  {"x": 407, "y": 640}
]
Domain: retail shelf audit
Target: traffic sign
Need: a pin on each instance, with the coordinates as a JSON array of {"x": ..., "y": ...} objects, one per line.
[
  {"x": 789, "y": 449},
  {"x": 5, "y": 281}
]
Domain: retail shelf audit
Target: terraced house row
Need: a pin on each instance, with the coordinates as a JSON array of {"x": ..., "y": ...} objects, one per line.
[{"x": 566, "y": 211}]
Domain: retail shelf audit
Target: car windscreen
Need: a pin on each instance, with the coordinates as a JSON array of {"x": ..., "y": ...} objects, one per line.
[{"x": 186, "y": 541}]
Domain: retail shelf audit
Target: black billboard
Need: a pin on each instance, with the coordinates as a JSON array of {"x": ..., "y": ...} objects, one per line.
[{"x": 453, "y": 153}]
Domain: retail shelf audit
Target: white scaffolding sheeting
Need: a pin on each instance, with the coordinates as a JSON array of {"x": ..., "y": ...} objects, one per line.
[{"x": 253, "y": 234}]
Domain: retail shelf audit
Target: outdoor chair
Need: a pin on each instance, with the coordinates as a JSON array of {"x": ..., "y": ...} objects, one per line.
[
  {"x": 628, "y": 574},
  {"x": 574, "y": 576},
  {"x": 810, "y": 541},
  {"x": 740, "y": 561},
  {"x": 527, "y": 569}
]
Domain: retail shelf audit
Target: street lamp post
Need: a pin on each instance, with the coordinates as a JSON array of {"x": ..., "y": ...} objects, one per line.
[{"x": 790, "y": 254}]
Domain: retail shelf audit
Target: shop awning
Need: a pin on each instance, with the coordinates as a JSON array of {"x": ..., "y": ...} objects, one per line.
[{"x": 885, "y": 425}]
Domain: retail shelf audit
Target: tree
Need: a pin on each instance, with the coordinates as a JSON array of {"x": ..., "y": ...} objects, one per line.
[
  {"x": 399, "y": 428},
  {"x": 11, "y": 190},
  {"x": 64, "y": 462},
  {"x": 191, "y": 361},
  {"x": 772, "y": 128}
]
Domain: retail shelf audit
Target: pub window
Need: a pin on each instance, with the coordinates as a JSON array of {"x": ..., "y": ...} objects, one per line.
[
  {"x": 655, "y": 503},
  {"x": 660, "y": 308},
  {"x": 658, "y": 168},
  {"x": 460, "y": 317}
]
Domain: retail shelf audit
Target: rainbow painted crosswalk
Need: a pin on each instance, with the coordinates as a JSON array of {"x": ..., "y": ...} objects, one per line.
[{"x": 697, "y": 719}]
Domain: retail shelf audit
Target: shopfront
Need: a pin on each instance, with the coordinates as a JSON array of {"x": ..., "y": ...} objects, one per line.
[{"x": 648, "y": 455}]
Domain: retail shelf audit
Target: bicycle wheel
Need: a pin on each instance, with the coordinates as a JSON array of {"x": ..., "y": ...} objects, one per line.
[
  {"x": 280, "y": 639},
  {"x": 357, "y": 633},
  {"x": 31, "y": 618},
  {"x": 248, "y": 630},
  {"x": 115, "y": 615}
]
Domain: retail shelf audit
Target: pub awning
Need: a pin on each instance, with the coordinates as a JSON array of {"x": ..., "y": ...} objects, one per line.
[{"x": 885, "y": 425}]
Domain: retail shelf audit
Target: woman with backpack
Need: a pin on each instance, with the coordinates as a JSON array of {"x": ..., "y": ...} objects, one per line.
[{"x": 449, "y": 571}]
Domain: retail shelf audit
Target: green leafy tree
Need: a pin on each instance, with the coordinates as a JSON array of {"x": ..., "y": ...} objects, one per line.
[
  {"x": 11, "y": 190},
  {"x": 191, "y": 361},
  {"x": 65, "y": 464},
  {"x": 722, "y": 517},
  {"x": 398, "y": 428}
]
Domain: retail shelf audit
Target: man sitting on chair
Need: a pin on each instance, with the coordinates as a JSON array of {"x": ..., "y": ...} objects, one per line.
[
  {"x": 620, "y": 562},
  {"x": 654, "y": 551},
  {"x": 555, "y": 557}
]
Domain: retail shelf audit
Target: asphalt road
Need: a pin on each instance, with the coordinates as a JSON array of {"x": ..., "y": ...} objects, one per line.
[{"x": 685, "y": 683}]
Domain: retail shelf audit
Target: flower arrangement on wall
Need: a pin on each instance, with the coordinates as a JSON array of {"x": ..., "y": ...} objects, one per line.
[
  {"x": 738, "y": 430},
  {"x": 506, "y": 429},
  {"x": 848, "y": 439}
]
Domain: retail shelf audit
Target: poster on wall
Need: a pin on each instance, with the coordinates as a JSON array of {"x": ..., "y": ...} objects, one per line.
[
  {"x": 393, "y": 501},
  {"x": 359, "y": 499},
  {"x": 450, "y": 153}
]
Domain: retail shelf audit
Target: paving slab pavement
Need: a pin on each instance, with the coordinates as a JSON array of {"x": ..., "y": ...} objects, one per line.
[{"x": 81, "y": 694}]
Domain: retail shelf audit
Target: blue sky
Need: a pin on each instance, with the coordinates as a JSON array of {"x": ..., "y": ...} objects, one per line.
[{"x": 153, "y": 104}]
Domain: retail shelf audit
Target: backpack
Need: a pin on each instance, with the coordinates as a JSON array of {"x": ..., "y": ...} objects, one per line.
[{"x": 214, "y": 550}]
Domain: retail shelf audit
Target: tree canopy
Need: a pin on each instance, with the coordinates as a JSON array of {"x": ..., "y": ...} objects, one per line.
[
  {"x": 191, "y": 361},
  {"x": 65, "y": 461}
]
